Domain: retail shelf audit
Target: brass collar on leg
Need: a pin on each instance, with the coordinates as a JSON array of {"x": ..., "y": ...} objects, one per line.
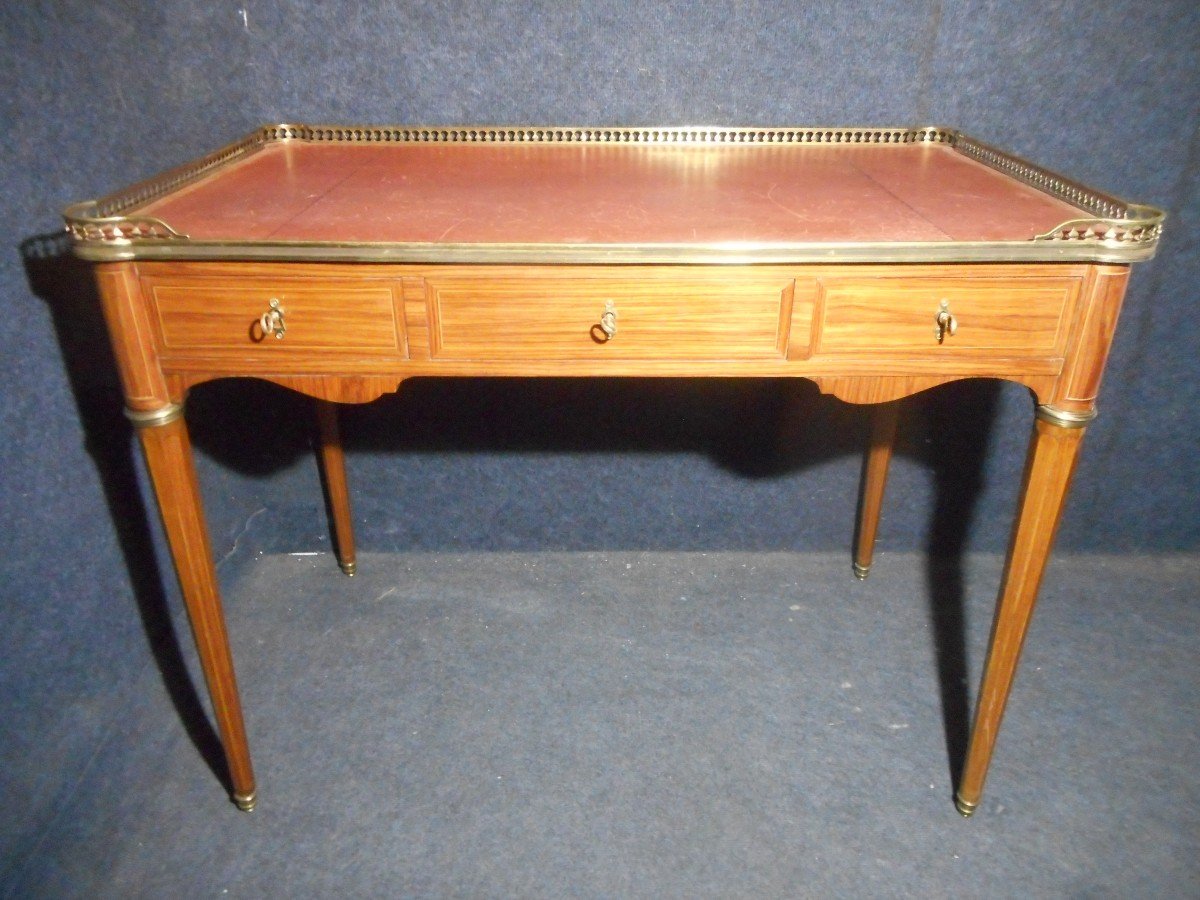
[
  {"x": 245, "y": 802},
  {"x": 965, "y": 809},
  {"x": 142, "y": 418},
  {"x": 1066, "y": 418}
]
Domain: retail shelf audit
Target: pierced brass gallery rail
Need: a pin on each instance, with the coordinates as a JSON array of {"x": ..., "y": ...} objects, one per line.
[{"x": 109, "y": 229}]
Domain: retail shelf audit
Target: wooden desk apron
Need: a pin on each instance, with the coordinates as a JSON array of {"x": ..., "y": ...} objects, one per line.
[{"x": 876, "y": 262}]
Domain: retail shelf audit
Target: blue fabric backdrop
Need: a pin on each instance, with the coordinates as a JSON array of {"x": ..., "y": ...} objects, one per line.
[{"x": 96, "y": 95}]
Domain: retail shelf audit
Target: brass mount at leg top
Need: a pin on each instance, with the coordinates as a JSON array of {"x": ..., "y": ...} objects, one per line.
[
  {"x": 164, "y": 415},
  {"x": 1066, "y": 418}
]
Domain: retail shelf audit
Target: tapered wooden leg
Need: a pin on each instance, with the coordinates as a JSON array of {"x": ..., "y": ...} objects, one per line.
[
  {"x": 1053, "y": 452},
  {"x": 168, "y": 451},
  {"x": 874, "y": 480},
  {"x": 337, "y": 493}
]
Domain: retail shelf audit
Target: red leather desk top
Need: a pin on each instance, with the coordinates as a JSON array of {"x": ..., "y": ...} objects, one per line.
[{"x": 627, "y": 194}]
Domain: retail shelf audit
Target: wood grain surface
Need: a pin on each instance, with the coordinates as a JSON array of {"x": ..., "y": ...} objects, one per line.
[
  {"x": 382, "y": 323},
  {"x": 865, "y": 333}
]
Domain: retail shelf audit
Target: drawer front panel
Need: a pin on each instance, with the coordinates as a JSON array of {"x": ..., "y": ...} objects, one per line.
[
  {"x": 224, "y": 319},
  {"x": 992, "y": 317},
  {"x": 656, "y": 315}
]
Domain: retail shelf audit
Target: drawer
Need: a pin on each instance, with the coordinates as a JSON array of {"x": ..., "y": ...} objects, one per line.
[
  {"x": 993, "y": 317},
  {"x": 223, "y": 318},
  {"x": 675, "y": 314}
]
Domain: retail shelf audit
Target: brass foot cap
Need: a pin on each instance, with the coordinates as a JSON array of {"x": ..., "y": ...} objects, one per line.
[
  {"x": 860, "y": 572},
  {"x": 349, "y": 568},
  {"x": 965, "y": 809},
  {"x": 245, "y": 802}
]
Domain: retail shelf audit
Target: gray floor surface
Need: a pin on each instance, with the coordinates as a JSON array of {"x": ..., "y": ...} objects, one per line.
[{"x": 659, "y": 724}]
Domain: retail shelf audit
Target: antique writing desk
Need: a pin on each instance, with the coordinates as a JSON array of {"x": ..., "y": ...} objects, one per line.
[{"x": 876, "y": 262}]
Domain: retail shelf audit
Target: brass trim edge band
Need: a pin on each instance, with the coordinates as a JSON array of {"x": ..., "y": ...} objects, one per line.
[
  {"x": 1120, "y": 232},
  {"x": 1093, "y": 251},
  {"x": 1066, "y": 418},
  {"x": 154, "y": 417}
]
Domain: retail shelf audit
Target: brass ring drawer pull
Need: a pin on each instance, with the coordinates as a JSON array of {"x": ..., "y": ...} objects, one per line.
[
  {"x": 272, "y": 320},
  {"x": 607, "y": 326},
  {"x": 946, "y": 323}
]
